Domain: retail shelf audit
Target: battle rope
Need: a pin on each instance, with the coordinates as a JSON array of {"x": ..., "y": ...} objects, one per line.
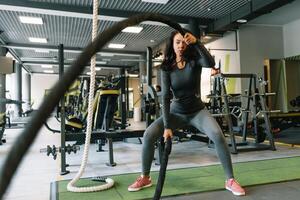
[
  {"x": 109, "y": 182},
  {"x": 26, "y": 138},
  {"x": 163, "y": 168}
]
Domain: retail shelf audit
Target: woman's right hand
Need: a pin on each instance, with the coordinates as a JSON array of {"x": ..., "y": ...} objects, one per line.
[{"x": 168, "y": 133}]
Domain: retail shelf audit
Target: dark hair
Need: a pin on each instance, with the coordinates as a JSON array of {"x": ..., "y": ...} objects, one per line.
[{"x": 169, "y": 61}]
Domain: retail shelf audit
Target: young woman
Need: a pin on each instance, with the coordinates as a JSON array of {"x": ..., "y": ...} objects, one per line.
[{"x": 181, "y": 72}]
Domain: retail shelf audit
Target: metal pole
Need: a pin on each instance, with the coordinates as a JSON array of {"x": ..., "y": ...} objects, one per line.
[
  {"x": 2, "y": 92},
  {"x": 2, "y": 83},
  {"x": 127, "y": 94},
  {"x": 149, "y": 80},
  {"x": 63, "y": 170},
  {"x": 228, "y": 116},
  {"x": 123, "y": 99},
  {"x": 27, "y": 92},
  {"x": 149, "y": 66}
]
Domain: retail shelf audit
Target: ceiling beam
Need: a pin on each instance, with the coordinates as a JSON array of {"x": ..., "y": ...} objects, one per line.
[
  {"x": 249, "y": 11},
  {"x": 68, "y": 64},
  {"x": 14, "y": 54},
  {"x": 68, "y": 49},
  {"x": 83, "y": 12}
]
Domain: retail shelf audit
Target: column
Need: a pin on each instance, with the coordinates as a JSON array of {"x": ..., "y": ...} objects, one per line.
[
  {"x": 2, "y": 82},
  {"x": 27, "y": 92}
]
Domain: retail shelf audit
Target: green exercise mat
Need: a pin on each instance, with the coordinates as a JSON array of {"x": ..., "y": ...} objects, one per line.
[{"x": 190, "y": 180}]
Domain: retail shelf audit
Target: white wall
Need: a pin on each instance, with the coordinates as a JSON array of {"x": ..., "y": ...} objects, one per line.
[
  {"x": 227, "y": 58},
  {"x": 291, "y": 38},
  {"x": 39, "y": 83},
  {"x": 258, "y": 43}
]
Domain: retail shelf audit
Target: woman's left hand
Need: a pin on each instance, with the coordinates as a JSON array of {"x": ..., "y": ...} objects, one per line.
[{"x": 189, "y": 38}]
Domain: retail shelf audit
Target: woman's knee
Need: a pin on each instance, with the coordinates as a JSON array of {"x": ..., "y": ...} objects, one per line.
[
  {"x": 217, "y": 136},
  {"x": 151, "y": 134}
]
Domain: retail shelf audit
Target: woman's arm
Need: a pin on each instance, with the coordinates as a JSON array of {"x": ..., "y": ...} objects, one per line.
[
  {"x": 166, "y": 82},
  {"x": 205, "y": 58}
]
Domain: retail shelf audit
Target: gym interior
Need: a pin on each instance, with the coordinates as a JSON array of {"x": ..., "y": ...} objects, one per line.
[{"x": 58, "y": 142}]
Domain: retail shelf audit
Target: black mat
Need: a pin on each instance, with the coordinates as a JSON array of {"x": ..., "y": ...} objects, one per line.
[{"x": 289, "y": 136}]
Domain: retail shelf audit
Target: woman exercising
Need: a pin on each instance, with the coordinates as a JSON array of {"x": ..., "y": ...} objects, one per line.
[{"x": 181, "y": 72}]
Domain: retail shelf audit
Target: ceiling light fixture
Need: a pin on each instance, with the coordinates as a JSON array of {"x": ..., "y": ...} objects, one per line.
[
  {"x": 106, "y": 59},
  {"x": 156, "y": 1},
  {"x": 106, "y": 54},
  {"x": 49, "y": 71},
  {"x": 101, "y": 62},
  {"x": 133, "y": 29},
  {"x": 47, "y": 66},
  {"x": 116, "y": 46},
  {"x": 37, "y": 40},
  {"x": 242, "y": 21},
  {"x": 31, "y": 20},
  {"x": 42, "y": 51},
  {"x": 133, "y": 75}
]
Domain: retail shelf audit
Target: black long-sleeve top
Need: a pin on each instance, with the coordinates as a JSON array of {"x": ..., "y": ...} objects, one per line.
[{"x": 184, "y": 84}]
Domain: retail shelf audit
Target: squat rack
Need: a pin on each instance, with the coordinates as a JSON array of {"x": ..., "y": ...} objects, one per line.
[{"x": 258, "y": 98}]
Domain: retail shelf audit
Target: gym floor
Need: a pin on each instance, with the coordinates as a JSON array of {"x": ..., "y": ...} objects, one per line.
[{"x": 37, "y": 171}]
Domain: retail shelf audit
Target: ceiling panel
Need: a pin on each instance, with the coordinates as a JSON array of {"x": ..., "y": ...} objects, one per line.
[
  {"x": 69, "y": 22},
  {"x": 193, "y": 8}
]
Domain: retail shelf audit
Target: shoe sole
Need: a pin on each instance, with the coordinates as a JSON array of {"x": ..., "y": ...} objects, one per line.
[
  {"x": 235, "y": 193},
  {"x": 137, "y": 189}
]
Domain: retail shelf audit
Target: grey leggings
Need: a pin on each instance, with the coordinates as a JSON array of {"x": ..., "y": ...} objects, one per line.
[{"x": 201, "y": 120}]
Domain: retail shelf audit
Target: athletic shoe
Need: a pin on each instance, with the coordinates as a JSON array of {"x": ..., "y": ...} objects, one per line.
[
  {"x": 140, "y": 183},
  {"x": 233, "y": 186}
]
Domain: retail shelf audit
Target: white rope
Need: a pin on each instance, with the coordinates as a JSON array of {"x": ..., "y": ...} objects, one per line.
[{"x": 109, "y": 182}]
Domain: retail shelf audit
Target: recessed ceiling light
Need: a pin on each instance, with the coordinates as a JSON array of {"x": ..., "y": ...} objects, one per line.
[
  {"x": 101, "y": 62},
  {"x": 242, "y": 21},
  {"x": 133, "y": 75},
  {"x": 116, "y": 46},
  {"x": 208, "y": 9},
  {"x": 37, "y": 40},
  {"x": 42, "y": 51},
  {"x": 133, "y": 29},
  {"x": 48, "y": 71},
  {"x": 106, "y": 59},
  {"x": 31, "y": 20},
  {"x": 88, "y": 73},
  {"x": 106, "y": 54},
  {"x": 98, "y": 68},
  {"x": 47, "y": 66},
  {"x": 152, "y": 40},
  {"x": 156, "y": 1}
]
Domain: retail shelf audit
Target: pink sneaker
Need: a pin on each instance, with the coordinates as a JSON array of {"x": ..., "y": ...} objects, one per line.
[
  {"x": 233, "y": 186},
  {"x": 140, "y": 183}
]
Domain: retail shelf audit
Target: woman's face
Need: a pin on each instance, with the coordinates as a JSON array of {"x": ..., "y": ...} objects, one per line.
[{"x": 179, "y": 45}]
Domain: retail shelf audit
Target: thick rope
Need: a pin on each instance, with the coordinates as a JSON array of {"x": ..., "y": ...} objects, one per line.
[
  {"x": 109, "y": 182},
  {"x": 26, "y": 138},
  {"x": 163, "y": 169}
]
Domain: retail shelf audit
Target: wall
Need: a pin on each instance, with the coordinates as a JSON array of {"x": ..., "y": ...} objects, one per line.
[
  {"x": 26, "y": 97},
  {"x": 39, "y": 83},
  {"x": 293, "y": 75},
  {"x": 291, "y": 38},
  {"x": 258, "y": 43},
  {"x": 134, "y": 84},
  {"x": 226, "y": 53}
]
